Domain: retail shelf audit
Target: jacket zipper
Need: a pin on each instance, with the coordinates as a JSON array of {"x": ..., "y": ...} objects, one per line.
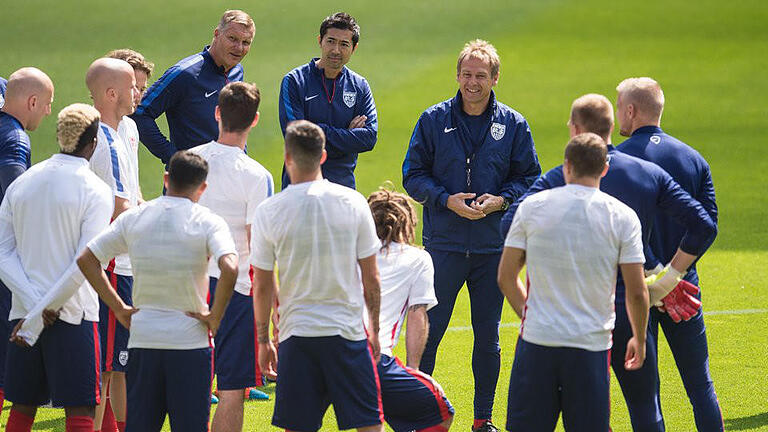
[{"x": 469, "y": 183}]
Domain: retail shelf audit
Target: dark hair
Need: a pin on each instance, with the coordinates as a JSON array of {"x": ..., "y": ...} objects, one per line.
[
  {"x": 186, "y": 171},
  {"x": 343, "y": 21},
  {"x": 587, "y": 154},
  {"x": 394, "y": 215},
  {"x": 305, "y": 142},
  {"x": 238, "y": 102}
]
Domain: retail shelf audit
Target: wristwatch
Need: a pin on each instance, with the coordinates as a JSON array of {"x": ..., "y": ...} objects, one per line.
[{"x": 505, "y": 205}]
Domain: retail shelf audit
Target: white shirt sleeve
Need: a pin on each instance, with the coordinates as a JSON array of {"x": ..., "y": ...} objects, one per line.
[
  {"x": 631, "y": 249},
  {"x": 423, "y": 288},
  {"x": 517, "y": 236},
  {"x": 368, "y": 242},
  {"x": 220, "y": 241},
  {"x": 95, "y": 220},
  {"x": 12, "y": 270},
  {"x": 262, "y": 248},
  {"x": 111, "y": 242},
  {"x": 257, "y": 193}
]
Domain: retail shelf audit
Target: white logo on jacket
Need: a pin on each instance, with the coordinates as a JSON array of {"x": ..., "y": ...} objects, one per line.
[
  {"x": 350, "y": 98},
  {"x": 498, "y": 130},
  {"x": 655, "y": 139}
]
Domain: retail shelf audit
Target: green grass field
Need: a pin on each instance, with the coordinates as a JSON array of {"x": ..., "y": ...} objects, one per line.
[{"x": 707, "y": 55}]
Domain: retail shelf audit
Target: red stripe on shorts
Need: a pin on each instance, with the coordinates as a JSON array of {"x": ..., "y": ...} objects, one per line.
[
  {"x": 429, "y": 382},
  {"x": 97, "y": 357},
  {"x": 378, "y": 383}
]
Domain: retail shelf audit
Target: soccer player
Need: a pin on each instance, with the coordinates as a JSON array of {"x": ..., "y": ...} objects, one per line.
[
  {"x": 468, "y": 158},
  {"x": 647, "y": 190},
  {"x": 24, "y": 101},
  {"x": 185, "y": 92},
  {"x": 324, "y": 240},
  {"x": 639, "y": 106},
  {"x": 237, "y": 184},
  {"x": 572, "y": 239},
  {"x": 168, "y": 240},
  {"x": 72, "y": 205},
  {"x": 411, "y": 399},
  {"x": 112, "y": 84},
  {"x": 348, "y": 120}
]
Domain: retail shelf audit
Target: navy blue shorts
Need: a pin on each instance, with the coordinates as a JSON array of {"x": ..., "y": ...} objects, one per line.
[
  {"x": 548, "y": 380},
  {"x": 5, "y": 328},
  {"x": 314, "y": 372},
  {"x": 63, "y": 367},
  {"x": 411, "y": 398},
  {"x": 114, "y": 337},
  {"x": 235, "y": 356},
  {"x": 172, "y": 382}
]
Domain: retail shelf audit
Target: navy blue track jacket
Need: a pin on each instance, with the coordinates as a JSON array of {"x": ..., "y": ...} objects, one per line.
[
  {"x": 649, "y": 191},
  {"x": 3, "y": 84},
  {"x": 304, "y": 95},
  {"x": 689, "y": 169},
  {"x": 15, "y": 151},
  {"x": 442, "y": 160},
  {"x": 187, "y": 93}
]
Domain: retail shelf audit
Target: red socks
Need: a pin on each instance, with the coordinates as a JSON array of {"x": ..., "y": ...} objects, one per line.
[
  {"x": 18, "y": 422},
  {"x": 479, "y": 422},
  {"x": 2, "y": 398},
  {"x": 108, "y": 423},
  {"x": 79, "y": 424},
  {"x": 121, "y": 426},
  {"x": 438, "y": 428}
]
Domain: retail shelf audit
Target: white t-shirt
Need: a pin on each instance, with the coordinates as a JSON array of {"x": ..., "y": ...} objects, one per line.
[
  {"x": 237, "y": 184},
  {"x": 53, "y": 209},
  {"x": 407, "y": 279},
  {"x": 168, "y": 240},
  {"x": 574, "y": 237},
  {"x": 112, "y": 162},
  {"x": 317, "y": 231}
]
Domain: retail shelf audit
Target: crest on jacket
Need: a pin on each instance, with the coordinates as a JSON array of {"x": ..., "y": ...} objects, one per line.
[
  {"x": 497, "y": 131},
  {"x": 349, "y": 98}
]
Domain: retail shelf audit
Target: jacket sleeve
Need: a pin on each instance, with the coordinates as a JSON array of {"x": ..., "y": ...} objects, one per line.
[
  {"x": 706, "y": 195},
  {"x": 417, "y": 167},
  {"x": 686, "y": 211},
  {"x": 342, "y": 140},
  {"x": 163, "y": 95},
  {"x": 552, "y": 179},
  {"x": 290, "y": 104},
  {"x": 524, "y": 166}
]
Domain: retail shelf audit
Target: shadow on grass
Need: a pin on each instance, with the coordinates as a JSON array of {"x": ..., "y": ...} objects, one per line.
[{"x": 747, "y": 423}]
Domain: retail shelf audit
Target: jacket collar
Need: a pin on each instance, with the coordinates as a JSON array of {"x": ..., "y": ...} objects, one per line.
[
  {"x": 313, "y": 67},
  {"x": 457, "y": 101},
  {"x": 647, "y": 130}
]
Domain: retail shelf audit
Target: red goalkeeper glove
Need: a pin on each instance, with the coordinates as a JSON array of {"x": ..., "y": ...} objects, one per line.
[{"x": 681, "y": 304}]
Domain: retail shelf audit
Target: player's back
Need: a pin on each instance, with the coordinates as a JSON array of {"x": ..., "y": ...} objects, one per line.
[
  {"x": 317, "y": 231},
  {"x": 575, "y": 238}
]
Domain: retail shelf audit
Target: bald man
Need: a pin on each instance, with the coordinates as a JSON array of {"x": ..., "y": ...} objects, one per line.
[
  {"x": 639, "y": 106},
  {"x": 112, "y": 84},
  {"x": 26, "y": 98}
]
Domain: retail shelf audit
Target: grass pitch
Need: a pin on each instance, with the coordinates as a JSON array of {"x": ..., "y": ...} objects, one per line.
[{"x": 709, "y": 56}]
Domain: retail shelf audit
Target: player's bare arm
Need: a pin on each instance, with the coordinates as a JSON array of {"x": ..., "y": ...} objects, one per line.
[
  {"x": 510, "y": 266},
  {"x": 121, "y": 205},
  {"x": 263, "y": 290},
  {"x": 224, "y": 289},
  {"x": 91, "y": 268},
  {"x": 637, "y": 310},
  {"x": 372, "y": 293},
  {"x": 416, "y": 333}
]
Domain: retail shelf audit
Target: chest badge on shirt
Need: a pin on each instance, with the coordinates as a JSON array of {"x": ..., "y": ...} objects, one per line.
[
  {"x": 498, "y": 130},
  {"x": 655, "y": 139},
  {"x": 350, "y": 98}
]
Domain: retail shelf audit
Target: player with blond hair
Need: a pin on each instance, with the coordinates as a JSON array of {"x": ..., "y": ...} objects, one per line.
[{"x": 412, "y": 400}]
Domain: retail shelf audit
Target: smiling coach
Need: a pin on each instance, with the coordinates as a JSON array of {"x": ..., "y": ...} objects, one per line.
[
  {"x": 188, "y": 92},
  {"x": 468, "y": 158}
]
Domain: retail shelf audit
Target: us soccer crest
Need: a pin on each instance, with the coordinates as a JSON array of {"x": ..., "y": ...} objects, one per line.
[
  {"x": 123, "y": 358},
  {"x": 497, "y": 131},
  {"x": 350, "y": 98}
]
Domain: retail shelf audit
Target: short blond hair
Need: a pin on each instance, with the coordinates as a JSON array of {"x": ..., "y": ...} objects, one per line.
[
  {"x": 593, "y": 113},
  {"x": 235, "y": 16},
  {"x": 72, "y": 121},
  {"x": 645, "y": 94},
  {"x": 134, "y": 58},
  {"x": 483, "y": 50}
]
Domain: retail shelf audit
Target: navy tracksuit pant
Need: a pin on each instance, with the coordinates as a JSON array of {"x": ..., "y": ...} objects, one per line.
[{"x": 452, "y": 270}]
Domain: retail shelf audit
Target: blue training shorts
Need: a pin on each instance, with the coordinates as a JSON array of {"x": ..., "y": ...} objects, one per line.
[{"x": 114, "y": 337}]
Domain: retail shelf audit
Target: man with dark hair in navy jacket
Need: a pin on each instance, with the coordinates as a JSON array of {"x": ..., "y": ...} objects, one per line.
[
  {"x": 639, "y": 106},
  {"x": 327, "y": 93},
  {"x": 468, "y": 158},
  {"x": 188, "y": 92},
  {"x": 649, "y": 191}
]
